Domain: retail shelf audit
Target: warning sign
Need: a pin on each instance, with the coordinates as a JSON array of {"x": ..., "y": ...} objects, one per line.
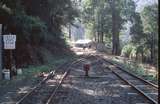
[{"x": 9, "y": 41}]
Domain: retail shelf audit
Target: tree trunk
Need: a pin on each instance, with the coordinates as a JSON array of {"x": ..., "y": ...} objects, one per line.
[
  {"x": 136, "y": 56},
  {"x": 95, "y": 36},
  {"x": 69, "y": 31},
  {"x": 152, "y": 49},
  {"x": 115, "y": 41},
  {"x": 102, "y": 34},
  {"x": 98, "y": 36},
  {"x": 102, "y": 37},
  {"x": 115, "y": 31},
  {"x": 142, "y": 57}
]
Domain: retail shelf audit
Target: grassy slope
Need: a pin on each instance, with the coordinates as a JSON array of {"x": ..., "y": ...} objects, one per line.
[
  {"x": 137, "y": 69},
  {"x": 30, "y": 73}
]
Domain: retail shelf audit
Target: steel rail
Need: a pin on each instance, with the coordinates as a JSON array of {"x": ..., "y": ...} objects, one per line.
[
  {"x": 51, "y": 74},
  {"x": 55, "y": 90},
  {"x": 132, "y": 85},
  {"x": 39, "y": 84},
  {"x": 136, "y": 88},
  {"x": 61, "y": 80},
  {"x": 121, "y": 68}
]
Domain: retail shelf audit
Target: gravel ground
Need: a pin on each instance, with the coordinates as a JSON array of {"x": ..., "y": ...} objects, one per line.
[
  {"x": 17, "y": 88},
  {"x": 100, "y": 88},
  {"x": 9, "y": 94}
]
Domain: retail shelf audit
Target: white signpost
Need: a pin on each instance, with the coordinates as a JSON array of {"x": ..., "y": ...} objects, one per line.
[
  {"x": 9, "y": 44},
  {"x": 9, "y": 41}
]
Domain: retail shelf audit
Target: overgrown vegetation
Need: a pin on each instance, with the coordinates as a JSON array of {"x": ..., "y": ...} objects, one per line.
[
  {"x": 31, "y": 72},
  {"x": 138, "y": 69}
]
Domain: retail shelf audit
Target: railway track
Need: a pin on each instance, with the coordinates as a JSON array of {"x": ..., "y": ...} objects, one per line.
[
  {"x": 145, "y": 88},
  {"x": 45, "y": 91},
  {"x": 30, "y": 93}
]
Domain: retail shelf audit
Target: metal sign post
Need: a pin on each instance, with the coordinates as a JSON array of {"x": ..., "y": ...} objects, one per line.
[{"x": 0, "y": 51}]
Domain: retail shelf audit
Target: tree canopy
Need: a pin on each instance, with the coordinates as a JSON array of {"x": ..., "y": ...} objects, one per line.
[
  {"x": 37, "y": 23},
  {"x": 106, "y": 19}
]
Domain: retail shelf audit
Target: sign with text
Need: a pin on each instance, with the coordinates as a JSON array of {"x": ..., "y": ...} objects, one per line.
[{"x": 9, "y": 41}]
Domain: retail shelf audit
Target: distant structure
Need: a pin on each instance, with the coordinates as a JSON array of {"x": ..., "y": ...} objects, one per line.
[{"x": 77, "y": 32}]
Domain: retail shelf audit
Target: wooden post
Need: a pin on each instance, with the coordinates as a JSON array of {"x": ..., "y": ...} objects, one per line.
[
  {"x": 0, "y": 51},
  {"x": 10, "y": 62},
  {"x": 9, "y": 46}
]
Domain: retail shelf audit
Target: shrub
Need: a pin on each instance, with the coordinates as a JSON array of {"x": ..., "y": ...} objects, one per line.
[{"x": 126, "y": 50}]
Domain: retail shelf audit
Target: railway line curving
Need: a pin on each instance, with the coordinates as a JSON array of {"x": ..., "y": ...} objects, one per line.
[{"x": 145, "y": 88}]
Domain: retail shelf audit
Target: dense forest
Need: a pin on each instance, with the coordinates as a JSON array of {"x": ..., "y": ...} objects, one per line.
[
  {"x": 106, "y": 19},
  {"x": 37, "y": 24}
]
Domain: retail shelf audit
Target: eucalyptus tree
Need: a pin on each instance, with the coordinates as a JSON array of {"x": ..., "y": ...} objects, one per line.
[
  {"x": 150, "y": 22},
  {"x": 110, "y": 16},
  {"x": 144, "y": 31},
  {"x": 88, "y": 16},
  {"x": 137, "y": 35},
  {"x": 95, "y": 15}
]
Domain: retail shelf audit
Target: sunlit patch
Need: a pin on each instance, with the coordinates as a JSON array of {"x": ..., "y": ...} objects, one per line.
[
  {"x": 23, "y": 90},
  {"x": 51, "y": 81},
  {"x": 111, "y": 66},
  {"x": 115, "y": 95},
  {"x": 150, "y": 70},
  {"x": 95, "y": 92},
  {"x": 77, "y": 69},
  {"x": 66, "y": 85},
  {"x": 105, "y": 82},
  {"x": 89, "y": 92},
  {"x": 132, "y": 94},
  {"x": 79, "y": 53},
  {"x": 45, "y": 75},
  {"x": 152, "y": 93},
  {"x": 125, "y": 86},
  {"x": 52, "y": 85},
  {"x": 58, "y": 76}
]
